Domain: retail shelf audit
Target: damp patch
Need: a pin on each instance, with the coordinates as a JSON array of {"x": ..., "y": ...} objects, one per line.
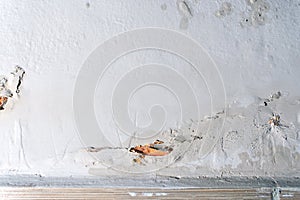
[{"x": 269, "y": 136}]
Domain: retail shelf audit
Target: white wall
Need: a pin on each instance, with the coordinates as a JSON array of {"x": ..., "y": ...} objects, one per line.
[{"x": 51, "y": 40}]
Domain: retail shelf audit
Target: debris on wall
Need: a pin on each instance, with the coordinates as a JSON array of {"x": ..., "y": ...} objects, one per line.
[{"x": 10, "y": 87}]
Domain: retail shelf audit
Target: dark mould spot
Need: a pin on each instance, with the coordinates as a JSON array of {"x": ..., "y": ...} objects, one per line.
[
  {"x": 178, "y": 158},
  {"x": 91, "y": 149},
  {"x": 187, "y": 7},
  {"x": 19, "y": 82},
  {"x": 198, "y": 137},
  {"x": 265, "y": 103},
  {"x": 87, "y": 4},
  {"x": 175, "y": 177}
]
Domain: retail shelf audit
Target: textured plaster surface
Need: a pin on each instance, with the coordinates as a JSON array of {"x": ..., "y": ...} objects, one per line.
[{"x": 255, "y": 45}]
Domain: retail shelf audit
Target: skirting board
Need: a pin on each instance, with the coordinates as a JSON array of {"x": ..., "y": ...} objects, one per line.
[{"x": 37, "y": 187}]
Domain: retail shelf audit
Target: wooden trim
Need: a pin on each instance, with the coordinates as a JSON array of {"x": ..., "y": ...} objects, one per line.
[{"x": 141, "y": 193}]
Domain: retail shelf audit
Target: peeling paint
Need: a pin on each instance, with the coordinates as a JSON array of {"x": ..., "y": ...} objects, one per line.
[
  {"x": 10, "y": 87},
  {"x": 265, "y": 146}
]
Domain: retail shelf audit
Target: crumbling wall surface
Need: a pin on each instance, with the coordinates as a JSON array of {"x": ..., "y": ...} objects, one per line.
[{"x": 235, "y": 111}]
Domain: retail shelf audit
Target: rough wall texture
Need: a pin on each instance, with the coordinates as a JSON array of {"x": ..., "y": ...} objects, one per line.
[{"x": 254, "y": 44}]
